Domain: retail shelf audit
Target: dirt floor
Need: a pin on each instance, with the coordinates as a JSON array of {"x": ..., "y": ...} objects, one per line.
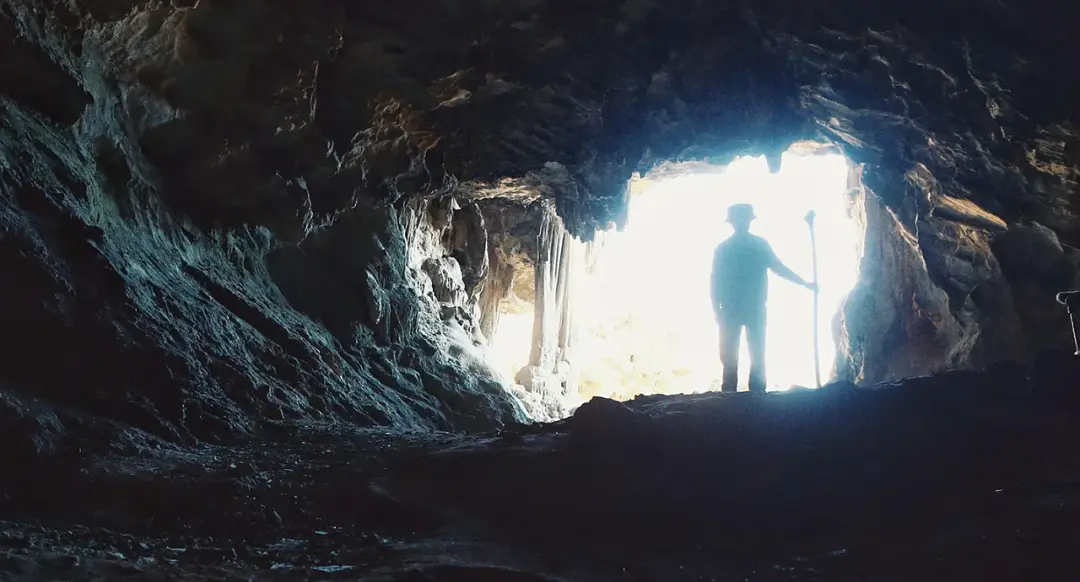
[{"x": 967, "y": 476}]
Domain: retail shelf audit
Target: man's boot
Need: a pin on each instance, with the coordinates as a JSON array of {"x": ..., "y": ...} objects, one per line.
[{"x": 757, "y": 380}]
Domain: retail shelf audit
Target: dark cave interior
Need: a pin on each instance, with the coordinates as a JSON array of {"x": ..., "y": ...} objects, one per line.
[{"x": 254, "y": 249}]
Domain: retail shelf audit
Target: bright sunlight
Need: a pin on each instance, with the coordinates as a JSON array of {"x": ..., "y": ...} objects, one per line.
[{"x": 645, "y": 322}]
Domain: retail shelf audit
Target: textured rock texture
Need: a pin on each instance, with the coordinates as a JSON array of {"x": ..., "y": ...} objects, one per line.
[{"x": 218, "y": 211}]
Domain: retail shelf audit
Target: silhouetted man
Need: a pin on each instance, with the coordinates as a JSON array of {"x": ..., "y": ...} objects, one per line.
[{"x": 739, "y": 289}]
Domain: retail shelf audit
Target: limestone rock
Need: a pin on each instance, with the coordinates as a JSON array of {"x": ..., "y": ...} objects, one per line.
[{"x": 445, "y": 274}]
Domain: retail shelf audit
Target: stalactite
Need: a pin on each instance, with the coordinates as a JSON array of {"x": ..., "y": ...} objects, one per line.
[
  {"x": 560, "y": 262},
  {"x": 573, "y": 268},
  {"x": 549, "y": 254},
  {"x": 495, "y": 289}
]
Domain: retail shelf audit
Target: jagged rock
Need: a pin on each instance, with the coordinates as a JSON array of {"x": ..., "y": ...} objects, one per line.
[
  {"x": 896, "y": 322},
  {"x": 445, "y": 274},
  {"x": 30, "y": 430},
  {"x": 1032, "y": 253},
  {"x": 603, "y": 419},
  {"x": 469, "y": 246}
]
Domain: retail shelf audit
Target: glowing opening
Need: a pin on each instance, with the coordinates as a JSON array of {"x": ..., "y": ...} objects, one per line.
[
  {"x": 645, "y": 323},
  {"x": 509, "y": 346}
]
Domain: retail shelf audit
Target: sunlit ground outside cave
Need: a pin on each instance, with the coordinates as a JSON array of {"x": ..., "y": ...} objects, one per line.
[{"x": 642, "y": 310}]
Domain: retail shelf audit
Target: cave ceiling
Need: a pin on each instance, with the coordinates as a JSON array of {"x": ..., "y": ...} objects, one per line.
[{"x": 279, "y": 113}]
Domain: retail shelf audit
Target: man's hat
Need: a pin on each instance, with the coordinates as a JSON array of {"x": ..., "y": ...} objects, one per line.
[{"x": 740, "y": 213}]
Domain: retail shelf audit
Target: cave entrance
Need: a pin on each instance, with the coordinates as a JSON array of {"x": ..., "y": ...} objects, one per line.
[
  {"x": 642, "y": 320},
  {"x": 643, "y": 314}
]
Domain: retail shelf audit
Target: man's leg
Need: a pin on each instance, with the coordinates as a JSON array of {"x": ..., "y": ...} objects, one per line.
[
  {"x": 730, "y": 330},
  {"x": 755, "y": 339}
]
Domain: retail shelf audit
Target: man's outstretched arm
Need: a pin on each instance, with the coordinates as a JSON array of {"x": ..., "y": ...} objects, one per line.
[{"x": 784, "y": 272}]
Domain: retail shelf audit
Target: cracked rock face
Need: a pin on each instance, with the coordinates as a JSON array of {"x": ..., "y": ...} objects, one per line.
[{"x": 221, "y": 211}]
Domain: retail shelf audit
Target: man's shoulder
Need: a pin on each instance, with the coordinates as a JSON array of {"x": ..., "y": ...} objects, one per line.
[
  {"x": 759, "y": 242},
  {"x": 744, "y": 240}
]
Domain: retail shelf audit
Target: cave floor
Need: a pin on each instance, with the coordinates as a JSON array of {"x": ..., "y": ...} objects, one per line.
[{"x": 954, "y": 478}]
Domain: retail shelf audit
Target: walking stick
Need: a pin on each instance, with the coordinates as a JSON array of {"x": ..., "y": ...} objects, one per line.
[{"x": 813, "y": 254}]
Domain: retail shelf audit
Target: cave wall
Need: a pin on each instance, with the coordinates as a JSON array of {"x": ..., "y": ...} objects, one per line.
[
  {"x": 895, "y": 323},
  {"x": 964, "y": 290},
  {"x": 123, "y": 313},
  {"x": 137, "y": 317}
]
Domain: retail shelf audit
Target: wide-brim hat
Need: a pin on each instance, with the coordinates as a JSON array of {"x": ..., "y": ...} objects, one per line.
[{"x": 740, "y": 212}]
